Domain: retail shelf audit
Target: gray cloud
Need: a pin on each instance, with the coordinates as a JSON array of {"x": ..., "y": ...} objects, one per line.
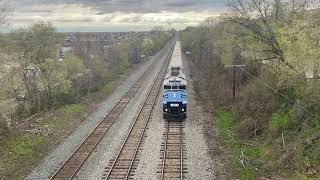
[
  {"x": 88, "y": 14},
  {"x": 143, "y": 6}
]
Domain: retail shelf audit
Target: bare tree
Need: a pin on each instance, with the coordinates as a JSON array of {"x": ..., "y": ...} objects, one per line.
[
  {"x": 259, "y": 20},
  {"x": 254, "y": 17},
  {"x": 4, "y": 11},
  {"x": 135, "y": 50},
  {"x": 90, "y": 49},
  {"x": 300, "y": 5}
]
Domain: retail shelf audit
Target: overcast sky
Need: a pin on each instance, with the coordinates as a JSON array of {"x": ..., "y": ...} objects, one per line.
[{"x": 113, "y": 15}]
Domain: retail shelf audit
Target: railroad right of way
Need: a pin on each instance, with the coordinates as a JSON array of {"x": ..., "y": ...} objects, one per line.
[{"x": 70, "y": 167}]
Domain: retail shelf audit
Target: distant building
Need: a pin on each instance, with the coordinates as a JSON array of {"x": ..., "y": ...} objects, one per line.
[{"x": 70, "y": 37}]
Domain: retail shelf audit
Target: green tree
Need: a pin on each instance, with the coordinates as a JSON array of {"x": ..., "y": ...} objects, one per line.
[
  {"x": 36, "y": 56},
  {"x": 73, "y": 64}
]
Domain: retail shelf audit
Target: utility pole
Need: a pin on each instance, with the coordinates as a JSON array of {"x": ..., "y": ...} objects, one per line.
[
  {"x": 235, "y": 65},
  {"x": 234, "y": 77},
  {"x": 200, "y": 56},
  {"x": 234, "y": 81}
]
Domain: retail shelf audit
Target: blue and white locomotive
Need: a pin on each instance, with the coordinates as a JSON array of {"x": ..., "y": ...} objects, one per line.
[{"x": 175, "y": 87}]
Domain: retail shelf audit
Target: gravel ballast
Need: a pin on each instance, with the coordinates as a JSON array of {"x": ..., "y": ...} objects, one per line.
[
  {"x": 199, "y": 163},
  {"x": 150, "y": 155},
  {"x": 54, "y": 159}
]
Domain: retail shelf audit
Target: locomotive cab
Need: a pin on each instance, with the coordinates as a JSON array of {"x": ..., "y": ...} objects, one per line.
[{"x": 175, "y": 99}]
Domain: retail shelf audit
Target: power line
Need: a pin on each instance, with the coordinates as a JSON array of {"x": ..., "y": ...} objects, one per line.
[{"x": 276, "y": 91}]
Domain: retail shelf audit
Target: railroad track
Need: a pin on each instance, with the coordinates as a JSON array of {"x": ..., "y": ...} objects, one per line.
[
  {"x": 173, "y": 151},
  {"x": 125, "y": 163},
  {"x": 71, "y": 166}
]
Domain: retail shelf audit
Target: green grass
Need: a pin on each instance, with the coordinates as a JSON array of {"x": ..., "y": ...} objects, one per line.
[
  {"x": 228, "y": 123},
  {"x": 25, "y": 145},
  {"x": 227, "y": 120},
  {"x": 21, "y": 152},
  {"x": 65, "y": 116},
  {"x": 280, "y": 121}
]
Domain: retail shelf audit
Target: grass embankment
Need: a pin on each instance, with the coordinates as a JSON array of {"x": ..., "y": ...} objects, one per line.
[
  {"x": 22, "y": 150},
  {"x": 239, "y": 151},
  {"x": 267, "y": 155}
]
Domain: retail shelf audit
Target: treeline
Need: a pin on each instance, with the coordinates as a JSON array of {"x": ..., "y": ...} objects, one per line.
[
  {"x": 39, "y": 79},
  {"x": 272, "y": 125}
]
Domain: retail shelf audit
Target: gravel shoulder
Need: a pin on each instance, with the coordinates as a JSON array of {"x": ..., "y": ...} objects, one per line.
[
  {"x": 199, "y": 163},
  {"x": 58, "y": 155},
  {"x": 205, "y": 123}
]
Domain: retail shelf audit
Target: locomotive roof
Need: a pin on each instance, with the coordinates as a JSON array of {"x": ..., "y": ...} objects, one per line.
[
  {"x": 175, "y": 80},
  {"x": 176, "y": 59},
  {"x": 175, "y": 62}
]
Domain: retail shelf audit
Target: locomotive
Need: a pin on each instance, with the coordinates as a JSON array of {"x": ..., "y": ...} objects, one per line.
[{"x": 175, "y": 87}]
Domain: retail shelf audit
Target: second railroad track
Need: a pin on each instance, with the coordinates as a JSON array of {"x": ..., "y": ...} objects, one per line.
[{"x": 71, "y": 166}]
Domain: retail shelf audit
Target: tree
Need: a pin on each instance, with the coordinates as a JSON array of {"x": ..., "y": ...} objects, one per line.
[
  {"x": 4, "y": 11},
  {"x": 36, "y": 59},
  {"x": 157, "y": 29},
  {"x": 93, "y": 55},
  {"x": 261, "y": 20},
  {"x": 135, "y": 50},
  {"x": 254, "y": 16},
  {"x": 73, "y": 64}
]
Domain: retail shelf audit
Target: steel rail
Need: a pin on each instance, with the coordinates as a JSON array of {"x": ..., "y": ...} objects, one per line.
[
  {"x": 80, "y": 157},
  {"x": 181, "y": 152},
  {"x": 165, "y": 151}
]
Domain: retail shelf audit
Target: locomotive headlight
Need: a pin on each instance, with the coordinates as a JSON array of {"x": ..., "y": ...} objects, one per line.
[
  {"x": 182, "y": 110},
  {"x": 174, "y": 105},
  {"x": 166, "y": 109}
]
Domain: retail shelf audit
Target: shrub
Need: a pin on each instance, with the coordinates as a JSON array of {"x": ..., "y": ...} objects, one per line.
[
  {"x": 280, "y": 121},
  {"x": 256, "y": 107}
]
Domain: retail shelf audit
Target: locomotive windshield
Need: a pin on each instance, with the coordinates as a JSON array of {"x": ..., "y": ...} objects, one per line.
[
  {"x": 167, "y": 87},
  {"x": 182, "y": 87}
]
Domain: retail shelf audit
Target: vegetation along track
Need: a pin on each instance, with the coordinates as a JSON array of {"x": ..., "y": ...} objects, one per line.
[
  {"x": 124, "y": 165},
  {"x": 173, "y": 151},
  {"x": 71, "y": 166}
]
